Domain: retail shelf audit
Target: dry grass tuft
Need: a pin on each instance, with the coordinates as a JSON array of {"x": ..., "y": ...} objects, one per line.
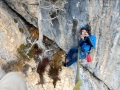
[
  {"x": 15, "y": 20},
  {"x": 34, "y": 32},
  {"x": 13, "y": 66},
  {"x": 33, "y": 51},
  {"x": 55, "y": 66},
  {"x": 21, "y": 30},
  {"x": 18, "y": 66},
  {"x": 47, "y": 41},
  {"x": 41, "y": 68},
  {"x": 22, "y": 51}
]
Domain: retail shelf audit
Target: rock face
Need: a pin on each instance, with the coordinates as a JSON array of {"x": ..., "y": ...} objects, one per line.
[
  {"x": 65, "y": 82},
  {"x": 26, "y": 8},
  {"x": 10, "y": 36},
  {"x": 89, "y": 82},
  {"x": 105, "y": 25},
  {"x": 102, "y": 15},
  {"x": 104, "y": 19}
]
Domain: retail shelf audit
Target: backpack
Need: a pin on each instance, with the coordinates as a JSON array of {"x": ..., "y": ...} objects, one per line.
[{"x": 93, "y": 41}]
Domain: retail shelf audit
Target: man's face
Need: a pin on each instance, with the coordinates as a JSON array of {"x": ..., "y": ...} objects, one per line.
[{"x": 84, "y": 32}]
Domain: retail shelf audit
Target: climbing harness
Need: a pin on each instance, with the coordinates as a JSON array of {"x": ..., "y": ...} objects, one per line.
[{"x": 78, "y": 80}]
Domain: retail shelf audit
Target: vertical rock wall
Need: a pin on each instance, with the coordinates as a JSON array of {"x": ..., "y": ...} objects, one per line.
[
  {"x": 105, "y": 24},
  {"x": 26, "y": 8},
  {"x": 10, "y": 36},
  {"x": 104, "y": 19}
]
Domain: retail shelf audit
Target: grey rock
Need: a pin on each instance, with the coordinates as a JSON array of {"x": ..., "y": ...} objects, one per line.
[
  {"x": 26, "y": 8},
  {"x": 104, "y": 19},
  {"x": 119, "y": 41},
  {"x": 10, "y": 36}
]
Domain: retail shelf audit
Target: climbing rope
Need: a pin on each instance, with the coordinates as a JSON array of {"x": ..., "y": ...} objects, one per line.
[{"x": 78, "y": 80}]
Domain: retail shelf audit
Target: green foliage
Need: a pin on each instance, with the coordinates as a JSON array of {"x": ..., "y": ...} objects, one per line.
[
  {"x": 33, "y": 51},
  {"x": 21, "y": 30},
  {"x": 22, "y": 51},
  {"x": 15, "y": 20}
]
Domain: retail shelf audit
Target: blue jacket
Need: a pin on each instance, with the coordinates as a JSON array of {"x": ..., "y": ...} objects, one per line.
[{"x": 86, "y": 45}]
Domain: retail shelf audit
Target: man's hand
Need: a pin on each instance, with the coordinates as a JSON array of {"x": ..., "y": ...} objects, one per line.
[
  {"x": 86, "y": 34},
  {"x": 82, "y": 37},
  {"x": 66, "y": 60}
]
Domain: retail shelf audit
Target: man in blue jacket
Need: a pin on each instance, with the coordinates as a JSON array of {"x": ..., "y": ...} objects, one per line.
[{"x": 86, "y": 42}]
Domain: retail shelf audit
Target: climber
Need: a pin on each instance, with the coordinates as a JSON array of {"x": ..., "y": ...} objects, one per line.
[{"x": 86, "y": 43}]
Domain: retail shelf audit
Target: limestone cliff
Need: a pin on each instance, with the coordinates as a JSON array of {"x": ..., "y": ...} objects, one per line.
[
  {"x": 60, "y": 21},
  {"x": 10, "y": 36}
]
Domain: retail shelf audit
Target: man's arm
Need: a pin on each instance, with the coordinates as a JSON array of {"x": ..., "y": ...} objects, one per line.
[
  {"x": 80, "y": 42},
  {"x": 89, "y": 42},
  {"x": 92, "y": 40}
]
